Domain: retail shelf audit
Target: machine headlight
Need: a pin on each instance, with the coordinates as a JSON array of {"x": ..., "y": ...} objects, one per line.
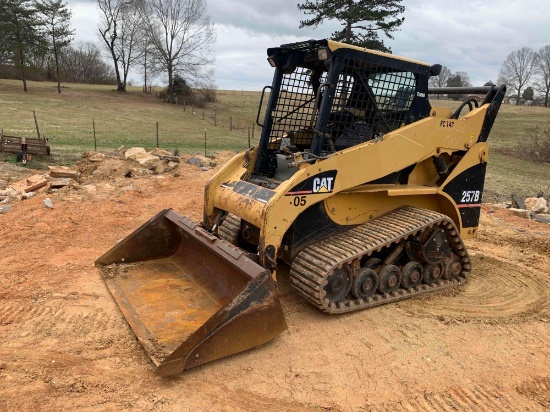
[
  {"x": 322, "y": 53},
  {"x": 271, "y": 61}
]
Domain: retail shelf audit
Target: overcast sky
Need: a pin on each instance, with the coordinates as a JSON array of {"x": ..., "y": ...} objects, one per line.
[{"x": 473, "y": 36}]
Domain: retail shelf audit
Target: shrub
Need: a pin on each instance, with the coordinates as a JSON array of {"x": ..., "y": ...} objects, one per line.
[
  {"x": 184, "y": 94},
  {"x": 536, "y": 146}
]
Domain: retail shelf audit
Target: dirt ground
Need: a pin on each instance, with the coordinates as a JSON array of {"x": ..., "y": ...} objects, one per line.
[{"x": 65, "y": 345}]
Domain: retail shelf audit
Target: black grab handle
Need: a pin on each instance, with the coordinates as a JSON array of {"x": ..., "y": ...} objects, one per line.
[{"x": 260, "y": 105}]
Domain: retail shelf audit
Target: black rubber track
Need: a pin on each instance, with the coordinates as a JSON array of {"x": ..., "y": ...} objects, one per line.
[{"x": 313, "y": 265}]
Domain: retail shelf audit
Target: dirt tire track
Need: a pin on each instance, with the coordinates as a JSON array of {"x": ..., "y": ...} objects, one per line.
[
  {"x": 61, "y": 321},
  {"x": 538, "y": 390},
  {"x": 479, "y": 398},
  {"x": 497, "y": 293}
]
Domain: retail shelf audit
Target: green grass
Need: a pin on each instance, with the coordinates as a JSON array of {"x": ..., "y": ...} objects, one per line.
[
  {"x": 507, "y": 174},
  {"x": 130, "y": 119},
  {"x": 127, "y": 119},
  {"x": 512, "y": 124}
]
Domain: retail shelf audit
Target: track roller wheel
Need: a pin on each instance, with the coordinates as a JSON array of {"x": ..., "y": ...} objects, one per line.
[
  {"x": 389, "y": 279},
  {"x": 412, "y": 275},
  {"x": 432, "y": 272},
  {"x": 365, "y": 283},
  {"x": 451, "y": 267},
  {"x": 373, "y": 263},
  {"x": 338, "y": 284}
]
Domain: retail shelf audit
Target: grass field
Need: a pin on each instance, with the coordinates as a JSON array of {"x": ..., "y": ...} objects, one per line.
[
  {"x": 124, "y": 119},
  {"x": 130, "y": 119}
]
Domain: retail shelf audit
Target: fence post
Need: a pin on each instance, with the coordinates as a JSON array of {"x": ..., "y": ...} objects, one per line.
[
  {"x": 249, "y": 137},
  {"x": 252, "y": 131},
  {"x": 230, "y": 123},
  {"x": 205, "y": 142},
  {"x": 157, "y": 135},
  {"x": 36, "y": 124},
  {"x": 95, "y": 141},
  {"x": 215, "y": 117}
]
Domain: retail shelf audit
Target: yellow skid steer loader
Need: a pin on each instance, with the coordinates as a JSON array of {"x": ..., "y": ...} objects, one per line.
[{"x": 362, "y": 187}]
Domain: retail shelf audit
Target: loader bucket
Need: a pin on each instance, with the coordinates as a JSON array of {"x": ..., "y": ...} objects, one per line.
[{"x": 190, "y": 297}]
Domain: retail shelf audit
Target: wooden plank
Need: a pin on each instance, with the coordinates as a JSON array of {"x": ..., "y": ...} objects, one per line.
[{"x": 29, "y": 184}]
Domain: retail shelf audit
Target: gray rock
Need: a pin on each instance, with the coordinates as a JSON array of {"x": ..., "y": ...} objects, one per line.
[
  {"x": 542, "y": 218},
  {"x": 4, "y": 209},
  {"x": 204, "y": 168},
  {"x": 195, "y": 161},
  {"x": 47, "y": 203},
  {"x": 517, "y": 202},
  {"x": 171, "y": 158}
]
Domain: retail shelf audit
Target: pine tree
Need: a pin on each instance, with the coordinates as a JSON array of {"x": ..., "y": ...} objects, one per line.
[
  {"x": 362, "y": 20},
  {"x": 18, "y": 28},
  {"x": 55, "y": 18}
]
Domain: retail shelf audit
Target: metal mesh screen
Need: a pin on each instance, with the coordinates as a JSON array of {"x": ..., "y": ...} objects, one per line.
[
  {"x": 369, "y": 102},
  {"x": 295, "y": 106}
]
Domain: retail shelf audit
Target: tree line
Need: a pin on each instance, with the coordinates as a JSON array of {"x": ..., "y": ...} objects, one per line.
[
  {"x": 527, "y": 70},
  {"x": 523, "y": 70},
  {"x": 170, "y": 37},
  {"x": 32, "y": 34},
  {"x": 174, "y": 38}
]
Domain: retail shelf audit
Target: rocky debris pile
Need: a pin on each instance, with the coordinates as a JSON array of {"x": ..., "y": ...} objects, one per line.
[
  {"x": 134, "y": 162},
  {"x": 58, "y": 177},
  {"x": 203, "y": 163},
  {"x": 101, "y": 171},
  {"x": 535, "y": 208}
]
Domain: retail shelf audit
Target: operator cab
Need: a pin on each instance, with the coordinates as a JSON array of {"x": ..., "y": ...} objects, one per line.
[{"x": 328, "y": 96}]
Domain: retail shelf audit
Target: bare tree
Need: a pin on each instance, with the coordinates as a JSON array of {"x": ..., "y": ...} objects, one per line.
[
  {"x": 542, "y": 70},
  {"x": 83, "y": 63},
  {"x": 517, "y": 69},
  {"x": 129, "y": 44},
  {"x": 55, "y": 18},
  {"x": 122, "y": 29},
  {"x": 181, "y": 35},
  {"x": 148, "y": 68},
  {"x": 441, "y": 79},
  {"x": 109, "y": 30}
]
